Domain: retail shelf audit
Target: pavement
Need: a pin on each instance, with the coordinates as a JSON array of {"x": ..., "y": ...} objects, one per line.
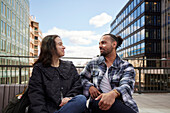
[{"x": 153, "y": 102}]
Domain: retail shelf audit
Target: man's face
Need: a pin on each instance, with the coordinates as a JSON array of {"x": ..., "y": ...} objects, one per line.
[
  {"x": 59, "y": 46},
  {"x": 106, "y": 45}
]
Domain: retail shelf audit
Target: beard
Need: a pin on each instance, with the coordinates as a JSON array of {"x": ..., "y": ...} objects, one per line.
[{"x": 106, "y": 51}]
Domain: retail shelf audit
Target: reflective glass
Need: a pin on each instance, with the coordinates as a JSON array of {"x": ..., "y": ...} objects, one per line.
[
  {"x": 142, "y": 47},
  {"x": 142, "y": 7},
  {"x": 142, "y": 34}
]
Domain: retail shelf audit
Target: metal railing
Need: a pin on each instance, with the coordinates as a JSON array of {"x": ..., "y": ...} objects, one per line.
[{"x": 148, "y": 79}]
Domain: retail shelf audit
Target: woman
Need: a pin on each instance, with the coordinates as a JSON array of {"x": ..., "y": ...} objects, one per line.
[{"x": 55, "y": 85}]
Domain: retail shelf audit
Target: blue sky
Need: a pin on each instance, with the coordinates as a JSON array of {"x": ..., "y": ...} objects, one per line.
[{"x": 80, "y": 23}]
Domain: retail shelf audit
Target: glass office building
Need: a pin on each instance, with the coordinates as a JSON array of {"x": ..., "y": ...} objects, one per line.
[
  {"x": 14, "y": 30},
  {"x": 14, "y": 38},
  {"x": 139, "y": 24}
]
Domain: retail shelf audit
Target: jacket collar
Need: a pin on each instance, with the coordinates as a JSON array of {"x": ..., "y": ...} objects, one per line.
[{"x": 63, "y": 70}]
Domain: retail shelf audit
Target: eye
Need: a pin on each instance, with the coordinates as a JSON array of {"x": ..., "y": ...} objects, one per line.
[{"x": 60, "y": 43}]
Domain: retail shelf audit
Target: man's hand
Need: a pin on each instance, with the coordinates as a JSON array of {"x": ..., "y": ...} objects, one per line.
[
  {"x": 94, "y": 92},
  {"x": 107, "y": 100},
  {"x": 64, "y": 101}
]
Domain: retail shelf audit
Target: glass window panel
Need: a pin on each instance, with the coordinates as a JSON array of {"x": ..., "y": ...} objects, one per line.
[
  {"x": 131, "y": 51},
  {"x": 134, "y": 14},
  {"x": 134, "y": 50},
  {"x": 135, "y": 38},
  {"x": 132, "y": 40},
  {"x": 138, "y": 49},
  {"x": 138, "y": 36},
  {"x": 143, "y": 34},
  {"x": 159, "y": 34},
  {"x": 138, "y": 11},
  {"x": 147, "y": 6},
  {"x": 142, "y": 7},
  {"x": 132, "y": 5},
  {"x": 142, "y": 21},
  {"x": 2, "y": 5},
  {"x": 142, "y": 47}
]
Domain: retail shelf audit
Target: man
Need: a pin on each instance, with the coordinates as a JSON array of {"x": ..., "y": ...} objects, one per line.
[{"x": 109, "y": 80}]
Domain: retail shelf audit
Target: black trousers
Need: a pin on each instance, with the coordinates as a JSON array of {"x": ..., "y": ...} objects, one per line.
[{"x": 117, "y": 107}]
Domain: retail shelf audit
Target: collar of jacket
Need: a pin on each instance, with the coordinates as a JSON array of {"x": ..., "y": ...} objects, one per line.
[
  {"x": 63, "y": 69},
  {"x": 115, "y": 64}
]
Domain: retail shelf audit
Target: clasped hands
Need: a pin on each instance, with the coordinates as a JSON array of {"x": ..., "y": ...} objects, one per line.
[{"x": 106, "y": 99}]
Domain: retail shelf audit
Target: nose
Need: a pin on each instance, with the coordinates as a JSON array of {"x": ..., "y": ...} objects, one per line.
[{"x": 64, "y": 47}]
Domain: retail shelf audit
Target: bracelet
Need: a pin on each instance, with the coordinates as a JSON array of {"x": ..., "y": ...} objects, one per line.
[{"x": 116, "y": 92}]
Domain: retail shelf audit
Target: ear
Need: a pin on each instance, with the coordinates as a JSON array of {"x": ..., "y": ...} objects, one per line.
[{"x": 114, "y": 44}]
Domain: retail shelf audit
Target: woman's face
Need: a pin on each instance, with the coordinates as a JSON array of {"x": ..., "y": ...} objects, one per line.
[{"x": 59, "y": 46}]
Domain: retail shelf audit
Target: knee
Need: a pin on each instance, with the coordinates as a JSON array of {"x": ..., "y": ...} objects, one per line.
[{"x": 81, "y": 98}]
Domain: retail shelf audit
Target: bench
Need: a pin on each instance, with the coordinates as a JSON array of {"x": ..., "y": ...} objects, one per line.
[{"x": 7, "y": 92}]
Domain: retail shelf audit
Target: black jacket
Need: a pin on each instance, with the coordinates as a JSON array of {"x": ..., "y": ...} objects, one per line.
[{"x": 47, "y": 85}]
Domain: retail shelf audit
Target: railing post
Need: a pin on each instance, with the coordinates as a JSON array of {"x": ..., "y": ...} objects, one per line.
[
  {"x": 20, "y": 75},
  {"x": 139, "y": 80}
]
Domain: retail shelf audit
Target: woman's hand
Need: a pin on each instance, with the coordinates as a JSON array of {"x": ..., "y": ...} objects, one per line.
[{"x": 64, "y": 101}]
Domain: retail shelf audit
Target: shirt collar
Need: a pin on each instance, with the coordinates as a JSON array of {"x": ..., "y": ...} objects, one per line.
[{"x": 115, "y": 63}]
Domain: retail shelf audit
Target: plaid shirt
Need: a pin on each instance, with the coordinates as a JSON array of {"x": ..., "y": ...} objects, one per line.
[{"x": 121, "y": 76}]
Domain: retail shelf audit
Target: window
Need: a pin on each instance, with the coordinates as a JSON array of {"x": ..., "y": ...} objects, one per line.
[
  {"x": 8, "y": 14},
  {"x": 20, "y": 39},
  {"x": 143, "y": 21},
  {"x": 131, "y": 49},
  {"x": 36, "y": 38},
  {"x": 138, "y": 11},
  {"x": 142, "y": 34},
  {"x": 3, "y": 27},
  {"x": 3, "y": 44},
  {"x": 147, "y": 6},
  {"x": 138, "y": 50},
  {"x": 132, "y": 5},
  {"x": 142, "y": 47},
  {"x": 3, "y": 9},
  {"x": 142, "y": 7},
  {"x": 134, "y": 14},
  {"x": 135, "y": 38},
  {"x": 138, "y": 36},
  {"x": 13, "y": 18},
  {"x": 131, "y": 40},
  {"x": 8, "y": 31},
  {"x": 128, "y": 52},
  {"x": 131, "y": 28},
  {"x": 138, "y": 24}
]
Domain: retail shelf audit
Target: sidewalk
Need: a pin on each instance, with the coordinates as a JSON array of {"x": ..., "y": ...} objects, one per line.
[{"x": 153, "y": 102}]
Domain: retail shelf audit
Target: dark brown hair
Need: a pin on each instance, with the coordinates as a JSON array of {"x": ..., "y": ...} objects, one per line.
[
  {"x": 118, "y": 39},
  {"x": 48, "y": 47}
]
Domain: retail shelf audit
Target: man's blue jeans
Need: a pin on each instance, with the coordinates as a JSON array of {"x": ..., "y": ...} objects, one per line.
[{"x": 76, "y": 105}]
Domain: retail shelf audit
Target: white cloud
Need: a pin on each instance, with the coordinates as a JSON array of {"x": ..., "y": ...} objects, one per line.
[
  {"x": 100, "y": 20},
  {"x": 75, "y": 37},
  {"x": 80, "y": 51}
]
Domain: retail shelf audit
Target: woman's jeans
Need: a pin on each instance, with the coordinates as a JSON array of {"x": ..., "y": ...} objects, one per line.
[
  {"x": 76, "y": 105},
  {"x": 117, "y": 107}
]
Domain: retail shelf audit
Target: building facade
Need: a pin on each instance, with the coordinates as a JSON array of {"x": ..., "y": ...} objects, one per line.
[
  {"x": 139, "y": 24},
  {"x": 14, "y": 35},
  {"x": 35, "y": 39},
  {"x": 165, "y": 29},
  {"x": 14, "y": 38}
]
